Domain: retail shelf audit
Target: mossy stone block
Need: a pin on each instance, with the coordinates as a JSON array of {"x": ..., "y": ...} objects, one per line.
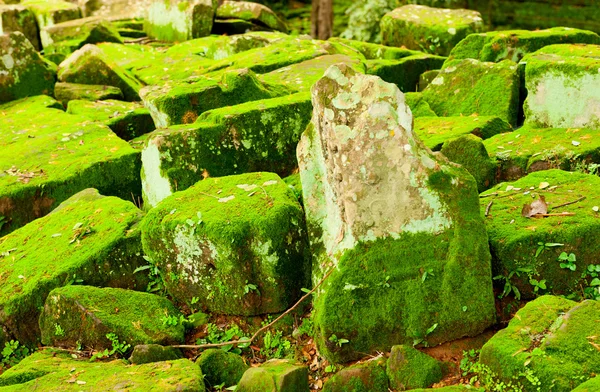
[
  {"x": 436, "y": 30},
  {"x": 254, "y": 136},
  {"x": 590, "y": 385},
  {"x": 92, "y": 239},
  {"x": 426, "y": 77},
  {"x": 373, "y": 51},
  {"x": 252, "y": 12},
  {"x": 85, "y": 315},
  {"x": 551, "y": 339},
  {"x": 236, "y": 243},
  {"x": 148, "y": 353},
  {"x": 418, "y": 105},
  {"x": 65, "y": 92},
  {"x": 51, "y": 12},
  {"x": 404, "y": 72},
  {"x": 126, "y": 119},
  {"x": 47, "y": 164},
  {"x": 470, "y": 152},
  {"x": 177, "y": 20},
  {"x": 24, "y": 72},
  {"x": 514, "y": 239},
  {"x": 408, "y": 368},
  {"x": 78, "y": 32},
  {"x": 51, "y": 370},
  {"x": 276, "y": 375},
  {"x": 19, "y": 18},
  {"x": 563, "y": 87},
  {"x": 220, "y": 367},
  {"x": 473, "y": 87},
  {"x": 90, "y": 65},
  {"x": 365, "y": 377}
]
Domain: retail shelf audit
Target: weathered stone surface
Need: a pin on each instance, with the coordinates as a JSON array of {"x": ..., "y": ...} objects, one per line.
[
  {"x": 44, "y": 165},
  {"x": 177, "y": 20},
  {"x": 18, "y": 18},
  {"x": 65, "y": 92},
  {"x": 435, "y": 30},
  {"x": 408, "y": 368},
  {"x": 51, "y": 12},
  {"x": 252, "y": 12},
  {"x": 276, "y": 375},
  {"x": 90, "y": 65},
  {"x": 553, "y": 339},
  {"x": 406, "y": 71},
  {"x": 51, "y": 370},
  {"x": 418, "y": 106},
  {"x": 182, "y": 102},
  {"x": 221, "y": 368},
  {"x": 90, "y": 238},
  {"x": 427, "y": 77},
  {"x": 84, "y": 315},
  {"x": 434, "y": 131},
  {"x": 563, "y": 87},
  {"x": 373, "y": 51},
  {"x": 148, "y": 353},
  {"x": 496, "y": 46},
  {"x": 23, "y": 72},
  {"x": 127, "y": 119},
  {"x": 365, "y": 377},
  {"x": 473, "y": 87},
  {"x": 254, "y": 136},
  {"x": 359, "y": 160},
  {"x": 469, "y": 151},
  {"x": 237, "y": 244},
  {"x": 514, "y": 239}
]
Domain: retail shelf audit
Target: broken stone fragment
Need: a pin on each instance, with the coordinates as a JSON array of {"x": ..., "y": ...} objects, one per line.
[
  {"x": 404, "y": 72},
  {"x": 178, "y": 20},
  {"x": 90, "y": 65},
  {"x": 23, "y": 72},
  {"x": 278, "y": 375},
  {"x": 374, "y": 195},
  {"x": 251, "y": 12},
  {"x": 65, "y": 92},
  {"x": 18, "y": 18},
  {"x": 367, "y": 376},
  {"x": 237, "y": 244},
  {"x": 408, "y": 368},
  {"x": 148, "y": 353},
  {"x": 51, "y": 12},
  {"x": 434, "y": 30},
  {"x": 222, "y": 368},
  {"x": 418, "y": 106}
]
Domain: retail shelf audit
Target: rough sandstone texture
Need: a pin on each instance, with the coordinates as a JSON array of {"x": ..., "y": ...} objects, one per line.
[{"x": 178, "y": 20}]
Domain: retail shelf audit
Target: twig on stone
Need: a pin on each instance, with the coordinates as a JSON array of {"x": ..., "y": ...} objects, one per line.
[
  {"x": 253, "y": 337},
  {"x": 487, "y": 209},
  {"x": 557, "y": 214},
  {"x": 569, "y": 203}
]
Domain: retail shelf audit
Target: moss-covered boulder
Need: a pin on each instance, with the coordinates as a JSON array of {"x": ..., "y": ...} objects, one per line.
[
  {"x": 404, "y": 72},
  {"x": 527, "y": 251},
  {"x": 251, "y": 12},
  {"x": 369, "y": 376},
  {"x": 563, "y": 87},
  {"x": 23, "y": 72},
  {"x": 359, "y": 160},
  {"x": 148, "y": 353},
  {"x": 590, "y": 385},
  {"x": 221, "y": 368},
  {"x": 550, "y": 345},
  {"x": 276, "y": 375},
  {"x": 473, "y": 87},
  {"x": 236, "y": 244},
  {"x": 52, "y": 370},
  {"x": 470, "y": 152},
  {"x": 427, "y": 77},
  {"x": 90, "y": 239},
  {"x": 435, "y": 131},
  {"x": 408, "y": 368},
  {"x": 127, "y": 119},
  {"x": 51, "y": 12},
  {"x": 90, "y": 65},
  {"x": 532, "y": 149},
  {"x": 418, "y": 105},
  {"x": 435, "y": 30},
  {"x": 65, "y": 92},
  {"x": 182, "y": 102},
  {"x": 373, "y": 51},
  {"x": 45, "y": 165},
  {"x": 254, "y": 136},
  {"x": 512, "y": 45},
  {"x": 177, "y": 20},
  {"x": 19, "y": 18},
  {"x": 85, "y": 315}
]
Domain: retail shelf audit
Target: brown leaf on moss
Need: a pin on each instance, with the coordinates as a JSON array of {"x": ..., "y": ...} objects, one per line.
[{"x": 536, "y": 207}]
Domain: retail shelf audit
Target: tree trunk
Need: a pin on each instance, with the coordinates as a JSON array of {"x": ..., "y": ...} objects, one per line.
[{"x": 322, "y": 19}]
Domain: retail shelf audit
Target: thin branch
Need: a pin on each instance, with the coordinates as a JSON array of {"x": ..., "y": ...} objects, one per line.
[
  {"x": 487, "y": 209},
  {"x": 569, "y": 203},
  {"x": 557, "y": 214},
  {"x": 253, "y": 337}
]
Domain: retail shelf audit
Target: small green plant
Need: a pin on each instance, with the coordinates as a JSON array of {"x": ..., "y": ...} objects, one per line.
[
  {"x": 592, "y": 291},
  {"x": 58, "y": 330},
  {"x": 567, "y": 261},
  {"x": 538, "y": 284},
  {"x": 248, "y": 287},
  {"x": 214, "y": 335},
  {"x": 73, "y": 280},
  {"x": 13, "y": 352},
  {"x": 428, "y": 272},
  {"x": 385, "y": 283},
  {"x": 542, "y": 246},
  {"x": 275, "y": 345},
  {"x": 508, "y": 285},
  {"x": 155, "y": 281},
  {"x": 307, "y": 327},
  {"x": 170, "y": 320},
  {"x": 337, "y": 341},
  {"x": 118, "y": 349},
  {"x": 420, "y": 337},
  {"x": 481, "y": 375},
  {"x": 331, "y": 369},
  {"x": 3, "y": 221}
]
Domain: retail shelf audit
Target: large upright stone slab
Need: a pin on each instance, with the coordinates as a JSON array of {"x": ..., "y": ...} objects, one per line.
[
  {"x": 400, "y": 226},
  {"x": 19, "y": 18},
  {"x": 251, "y": 12},
  {"x": 51, "y": 12},
  {"x": 23, "y": 72},
  {"x": 178, "y": 20}
]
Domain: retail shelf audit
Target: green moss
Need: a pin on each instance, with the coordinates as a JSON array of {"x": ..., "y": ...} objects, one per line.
[
  {"x": 418, "y": 106},
  {"x": 427, "y": 77},
  {"x": 65, "y": 92},
  {"x": 180, "y": 21},
  {"x": 295, "y": 184},
  {"x": 404, "y": 72},
  {"x": 591, "y": 385},
  {"x": 95, "y": 239},
  {"x": 514, "y": 239},
  {"x": 435, "y": 131},
  {"x": 19, "y": 18},
  {"x": 220, "y": 367},
  {"x": 376, "y": 52},
  {"x": 215, "y": 239},
  {"x": 408, "y": 368},
  {"x": 148, "y": 353},
  {"x": 551, "y": 340},
  {"x": 51, "y": 12},
  {"x": 50, "y": 163},
  {"x": 87, "y": 314},
  {"x": 275, "y": 375},
  {"x": 365, "y": 377},
  {"x": 251, "y": 12},
  {"x": 470, "y": 152},
  {"x": 470, "y": 86},
  {"x": 50, "y": 370}
]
